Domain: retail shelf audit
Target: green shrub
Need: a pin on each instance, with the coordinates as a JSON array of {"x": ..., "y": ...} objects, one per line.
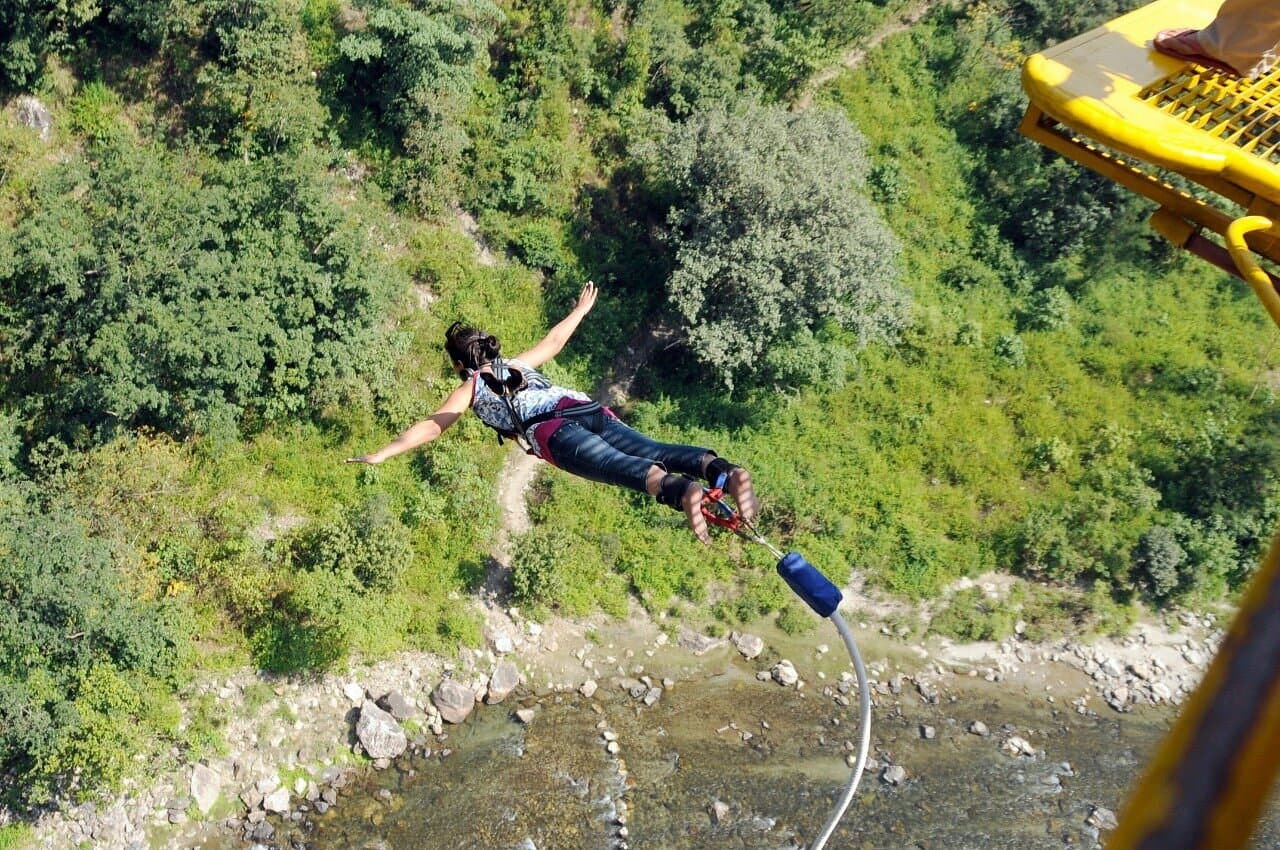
[
  {"x": 795, "y": 619},
  {"x": 96, "y": 111},
  {"x": 971, "y": 615},
  {"x": 1047, "y": 309},
  {"x": 1011, "y": 350},
  {"x": 86, "y": 672},
  {"x": 538, "y": 575},
  {"x": 367, "y": 542}
]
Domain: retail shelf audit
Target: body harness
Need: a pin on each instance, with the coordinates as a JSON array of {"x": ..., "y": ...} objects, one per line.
[{"x": 506, "y": 390}]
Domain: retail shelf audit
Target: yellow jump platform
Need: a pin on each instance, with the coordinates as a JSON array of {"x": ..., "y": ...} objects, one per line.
[{"x": 1204, "y": 145}]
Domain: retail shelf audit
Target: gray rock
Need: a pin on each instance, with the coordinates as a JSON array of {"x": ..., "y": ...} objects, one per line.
[
  {"x": 505, "y": 679},
  {"x": 525, "y": 715},
  {"x": 34, "y": 114},
  {"x": 454, "y": 700},
  {"x": 398, "y": 705},
  {"x": 206, "y": 786},
  {"x": 894, "y": 774},
  {"x": 977, "y": 727},
  {"x": 1101, "y": 818},
  {"x": 353, "y": 692},
  {"x": 719, "y": 812},
  {"x": 784, "y": 673},
  {"x": 928, "y": 732},
  {"x": 1019, "y": 746},
  {"x": 696, "y": 643},
  {"x": 276, "y": 801},
  {"x": 588, "y": 688},
  {"x": 749, "y": 645},
  {"x": 379, "y": 733}
]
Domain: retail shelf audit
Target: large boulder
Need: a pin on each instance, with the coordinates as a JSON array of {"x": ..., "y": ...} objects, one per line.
[
  {"x": 34, "y": 114},
  {"x": 784, "y": 673},
  {"x": 206, "y": 786},
  {"x": 749, "y": 645},
  {"x": 505, "y": 679},
  {"x": 277, "y": 801},
  {"x": 379, "y": 733},
  {"x": 398, "y": 704},
  {"x": 454, "y": 700}
]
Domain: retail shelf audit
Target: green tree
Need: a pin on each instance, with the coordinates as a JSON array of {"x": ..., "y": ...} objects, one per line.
[
  {"x": 1158, "y": 557},
  {"x": 771, "y": 233},
  {"x": 80, "y": 660},
  {"x": 416, "y": 70},
  {"x": 149, "y": 290},
  {"x": 251, "y": 84},
  {"x": 32, "y": 29},
  {"x": 1224, "y": 475}
]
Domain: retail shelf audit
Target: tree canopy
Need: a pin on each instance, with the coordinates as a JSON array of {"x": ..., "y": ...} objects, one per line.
[
  {"x": 139, "y": 293},
  {"x": 772, "y": 234}
]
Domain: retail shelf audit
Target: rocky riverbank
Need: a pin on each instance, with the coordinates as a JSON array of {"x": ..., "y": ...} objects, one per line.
[{"x": 294, "y": 745}]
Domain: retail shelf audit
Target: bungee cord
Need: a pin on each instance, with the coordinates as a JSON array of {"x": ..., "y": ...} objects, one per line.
[{"x": 823, "y": 597}]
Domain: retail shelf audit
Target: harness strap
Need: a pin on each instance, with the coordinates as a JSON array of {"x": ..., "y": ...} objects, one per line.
[
  {"x": 507, "y": 391},
  {"x": 587, "y": 408}
]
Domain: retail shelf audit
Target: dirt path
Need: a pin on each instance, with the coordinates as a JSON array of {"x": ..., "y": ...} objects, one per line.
[{"x": 908, "y": 18}]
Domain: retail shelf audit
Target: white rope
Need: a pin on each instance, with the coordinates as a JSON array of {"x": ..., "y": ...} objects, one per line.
[{"x": 864, "y": 734}]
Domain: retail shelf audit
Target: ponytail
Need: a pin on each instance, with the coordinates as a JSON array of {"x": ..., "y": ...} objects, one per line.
[{"x": 471, "y": 347}]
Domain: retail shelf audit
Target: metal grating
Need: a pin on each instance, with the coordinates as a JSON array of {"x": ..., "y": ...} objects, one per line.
[{"x": 1245, "y": 113}]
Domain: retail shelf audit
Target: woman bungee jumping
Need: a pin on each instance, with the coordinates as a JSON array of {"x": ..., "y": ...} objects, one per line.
[{"x": 566, "y": 428}]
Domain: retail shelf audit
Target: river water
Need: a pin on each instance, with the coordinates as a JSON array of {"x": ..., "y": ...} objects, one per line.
[{"x": 772, "y": 757}]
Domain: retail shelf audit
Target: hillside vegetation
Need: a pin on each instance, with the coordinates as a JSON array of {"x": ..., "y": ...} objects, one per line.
[{"x": 940, "y": 349}]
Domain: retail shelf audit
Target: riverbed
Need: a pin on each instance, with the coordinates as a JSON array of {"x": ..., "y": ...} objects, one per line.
[{"x": 729, "y": 761}]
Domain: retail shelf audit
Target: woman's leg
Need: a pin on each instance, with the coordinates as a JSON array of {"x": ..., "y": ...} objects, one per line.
[
  {"x": 586, "y": 454},
  {"x": 690, "y": 460},
  {"x": 1245, "y": 35}
]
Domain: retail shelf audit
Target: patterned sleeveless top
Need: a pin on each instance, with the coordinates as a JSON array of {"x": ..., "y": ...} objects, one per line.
[{"x": 538, "y": 396}]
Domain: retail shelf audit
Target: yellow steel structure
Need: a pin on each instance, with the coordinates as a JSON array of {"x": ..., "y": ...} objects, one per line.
[{"x": 1205, "y": 146}]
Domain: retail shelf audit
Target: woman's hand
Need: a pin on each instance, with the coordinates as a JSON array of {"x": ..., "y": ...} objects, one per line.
[
  {"x": 587, "y": 299},
  {"x": 372, "y": 460}
]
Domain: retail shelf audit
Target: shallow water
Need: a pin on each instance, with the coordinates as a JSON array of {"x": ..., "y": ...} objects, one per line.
[{"x": 551, "y": 785}]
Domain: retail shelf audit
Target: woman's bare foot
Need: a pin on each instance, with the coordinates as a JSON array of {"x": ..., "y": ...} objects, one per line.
[
  {"x": 693, "y": 512},
  {"x": 739, "y": 487}
]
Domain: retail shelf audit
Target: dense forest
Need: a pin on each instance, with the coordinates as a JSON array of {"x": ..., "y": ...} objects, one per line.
[{"x": 228, "y": 261}]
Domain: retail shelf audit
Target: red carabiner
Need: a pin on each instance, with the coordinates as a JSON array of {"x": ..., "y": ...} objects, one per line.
[{"x": 723, "y": 515}]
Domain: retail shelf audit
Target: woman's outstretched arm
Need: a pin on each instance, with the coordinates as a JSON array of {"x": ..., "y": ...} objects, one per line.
[
  {"x": 423, "y": 432},
  {"x": 556, "y": 338}
]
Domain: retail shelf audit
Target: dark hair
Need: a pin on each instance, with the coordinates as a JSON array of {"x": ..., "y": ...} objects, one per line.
[{"x": 470, "y": 346}]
